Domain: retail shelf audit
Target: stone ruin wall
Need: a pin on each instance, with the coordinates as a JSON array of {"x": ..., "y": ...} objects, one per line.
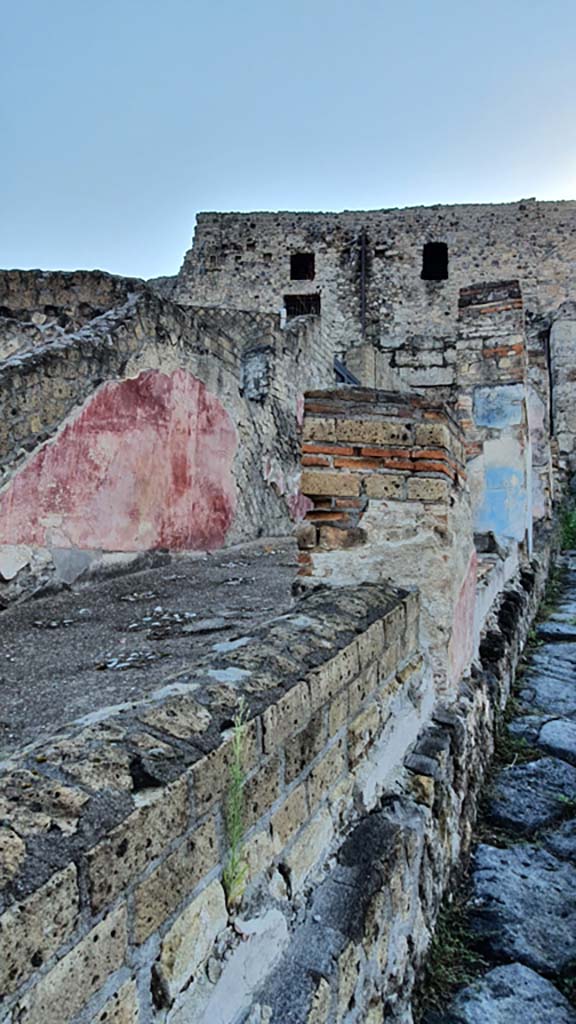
[
  {"x": 371, "y": 707},
  {"x": 37, "y": 306},
  {"x": 397, "y": 331},
  {"x": 98, "y": 405},
  {"x": 359, "y": 797}
]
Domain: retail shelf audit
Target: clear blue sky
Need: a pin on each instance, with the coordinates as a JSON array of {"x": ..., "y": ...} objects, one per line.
[{"x": 121, "y": 119}]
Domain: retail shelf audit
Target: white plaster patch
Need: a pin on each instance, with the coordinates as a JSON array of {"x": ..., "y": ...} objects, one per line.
[
  {"x": 243, "y": 974},
  {"x": 13, "y": 558}
]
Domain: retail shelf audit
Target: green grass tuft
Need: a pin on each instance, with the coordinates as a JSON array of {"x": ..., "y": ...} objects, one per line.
[{"x": 235, "y": 867}]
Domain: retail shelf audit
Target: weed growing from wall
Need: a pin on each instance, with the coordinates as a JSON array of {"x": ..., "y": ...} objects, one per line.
[
  {"x": 235, "y": 868},
  {"x": 568, "y": 528}
]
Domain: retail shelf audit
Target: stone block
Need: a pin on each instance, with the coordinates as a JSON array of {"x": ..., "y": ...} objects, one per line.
[
  {"x": 121, "y": 1008},
  {"x": 394, "y": 623},
  {"x": 363, "y": 431},
  {"x": 211, "y": 775},
  {"x": 371, "y": 643},
  {"x": 62, "y": 993},
  {"x": 389, "y": 660},
  {"x": 337, "y": 713},
  {"x": 320, "y": 1004},
  {"x": 188, "y": 943},
  {"x": 179, "y": 716},
  {"x": 330, "y": 483},
  {"x": 258, "y": 853},
  {"x": 391, "y": 486},
  {"x": 428, "y": 489},
  {"x": 332, "y": 538},
  {"x": 364, "y": 684},
  {"x": 285, "y": 717},
  {"x": 306, "y": 536},
  {"x": 362, "y": 732},
  {"x": 309, "y": 849},
  {"x": 31, "y": 931},
  {"x": 175, "y": 878},
  {"x": 12, "y": 853},
  {"x": 305, "y": 746},
  {"x": 118, "y": 860},
  {"x": 261, "y": 790},
  {"x": 332, "y": 676},
  {"x": 289, "y": 817},
  {"x": 316, "y": 429},
  {"x": 348, "y": 975},
  {"x": 327, "y": 773},
  {"x": 430, "y": 434}
]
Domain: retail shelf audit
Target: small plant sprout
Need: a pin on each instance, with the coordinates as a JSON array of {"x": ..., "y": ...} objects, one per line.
[{"x": 235, "y": 868}]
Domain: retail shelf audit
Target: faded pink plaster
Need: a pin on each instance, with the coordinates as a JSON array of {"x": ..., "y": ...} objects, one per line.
[
  {"x": 461, "y": 646},
  {"x": 146, "y": 464},
  {"x": 298, "y": 506}
]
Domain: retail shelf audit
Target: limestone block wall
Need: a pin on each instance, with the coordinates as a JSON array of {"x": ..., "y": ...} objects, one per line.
[
  {"x": 113, "y": 836},
  {"x": 153, "y": 427},
  {"x": 386, "y": 476}
]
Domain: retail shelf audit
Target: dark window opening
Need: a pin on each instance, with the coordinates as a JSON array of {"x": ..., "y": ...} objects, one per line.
[
  {"x": 302, "y": 266},
  {"x": 435, "y": 261},
  {"x": 302, "y": 305}
]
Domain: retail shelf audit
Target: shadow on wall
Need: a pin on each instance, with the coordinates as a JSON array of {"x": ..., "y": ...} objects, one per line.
[{"x": 146, "y": 464}]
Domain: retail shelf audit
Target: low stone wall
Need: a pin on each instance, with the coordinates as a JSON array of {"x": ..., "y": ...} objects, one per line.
[
  {"x": 358, "y": 956},
  {"x": 113, "y": 836}
]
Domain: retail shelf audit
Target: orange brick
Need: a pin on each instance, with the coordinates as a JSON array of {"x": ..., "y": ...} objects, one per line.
[
  {"x": 375, "y": 451},
  {"x": 433, "y": 467},
  {"x": 398, "y": 464},
  {"x": 430, "y": 453},
  {"x": 315, "y": 460},
  {"x": 327, "y": 449},
  {"x": 348, "y": 503}
]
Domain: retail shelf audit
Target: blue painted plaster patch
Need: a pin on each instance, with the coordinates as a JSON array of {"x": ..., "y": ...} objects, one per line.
[
  {"x": 503, "y": 509},
  {"x": 500, "y": 406}
]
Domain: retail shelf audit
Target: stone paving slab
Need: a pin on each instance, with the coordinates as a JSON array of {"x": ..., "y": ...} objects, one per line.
[
  {"x": 524, "y": 906},
  {"x": 531, "y": 796},
  {"x": 558, "y": 737},
  {"x": 561, "y": 842},
  {"x": 512, "y": 994},
  {"x": 550, "y": 694}
]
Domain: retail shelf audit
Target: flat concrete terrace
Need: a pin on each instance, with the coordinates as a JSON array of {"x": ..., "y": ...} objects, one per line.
[{"x": 72, "y": 655}]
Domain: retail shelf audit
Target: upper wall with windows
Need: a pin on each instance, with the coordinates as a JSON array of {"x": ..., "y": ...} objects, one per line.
[{"x": 382, "y": 278}]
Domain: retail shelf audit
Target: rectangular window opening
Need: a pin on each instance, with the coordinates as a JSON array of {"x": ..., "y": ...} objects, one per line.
[
  {"x": 435, "y": 261},
  {"x": 302, "y": 305},
  {"x": 302, "y": 266}
]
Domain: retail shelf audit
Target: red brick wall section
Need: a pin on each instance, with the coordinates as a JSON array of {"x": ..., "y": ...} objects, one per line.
[{"x": 361, "y": 445}]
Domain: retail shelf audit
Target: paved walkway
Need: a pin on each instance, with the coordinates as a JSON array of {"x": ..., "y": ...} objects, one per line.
[{"x": 523, "y": 904}]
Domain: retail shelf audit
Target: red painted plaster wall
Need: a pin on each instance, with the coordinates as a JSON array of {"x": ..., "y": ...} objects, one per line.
[{"x": 146, "y": 464}]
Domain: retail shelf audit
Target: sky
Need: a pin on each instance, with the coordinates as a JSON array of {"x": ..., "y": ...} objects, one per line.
[{"x": 121, "y": 120}]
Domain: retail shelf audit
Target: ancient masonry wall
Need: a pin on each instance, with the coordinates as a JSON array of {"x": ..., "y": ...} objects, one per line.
[
  {"x": 387, "y": 479},
  {"x": 119, "y": 400},
  {"x": 113, "y": 840},
  {"x": 243, "y": 261},
  {"x": 394, "y": 328},
  {"x": 37, "y": 306}
]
